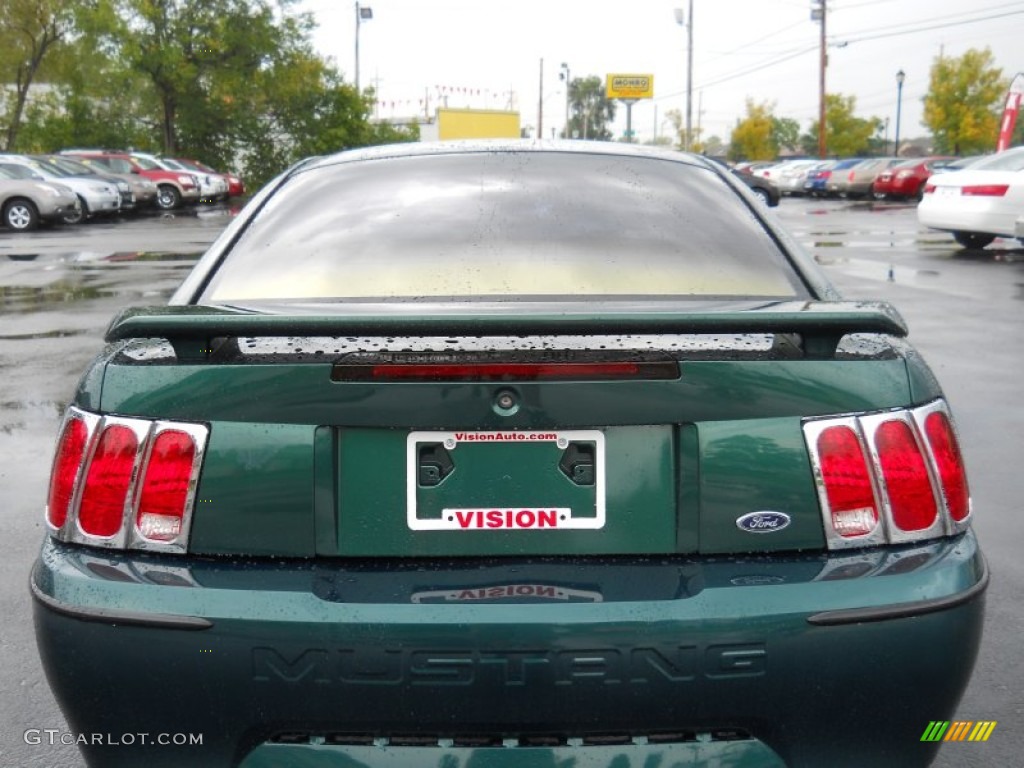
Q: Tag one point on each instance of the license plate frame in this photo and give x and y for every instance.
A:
(514, 517)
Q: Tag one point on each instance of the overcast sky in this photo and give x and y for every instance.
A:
(487, 53)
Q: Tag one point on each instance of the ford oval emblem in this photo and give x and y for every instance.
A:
(763, 522)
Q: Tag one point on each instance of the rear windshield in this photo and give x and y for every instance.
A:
(1010, 160)
(504, 226)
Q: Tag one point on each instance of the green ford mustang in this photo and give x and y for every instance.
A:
(508, 454)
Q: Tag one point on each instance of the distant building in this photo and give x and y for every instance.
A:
(471, 124)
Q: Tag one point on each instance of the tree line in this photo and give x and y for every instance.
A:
(962, 111)
(235, 83)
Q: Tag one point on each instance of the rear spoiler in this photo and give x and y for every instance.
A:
(191, 330)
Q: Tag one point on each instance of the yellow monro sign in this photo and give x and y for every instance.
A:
(629, 86)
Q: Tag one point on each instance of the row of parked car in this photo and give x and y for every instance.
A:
(976, 199)
(878, 177)
(78, 184)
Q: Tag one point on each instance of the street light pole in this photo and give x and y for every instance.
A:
(900, 77)
(362, 13)
(688, 23)
(689, 77)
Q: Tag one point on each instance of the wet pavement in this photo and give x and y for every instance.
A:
(60, 287)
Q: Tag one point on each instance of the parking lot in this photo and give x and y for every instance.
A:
(60, 286)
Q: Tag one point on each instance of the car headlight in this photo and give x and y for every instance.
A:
(123, 186)
(99, 189)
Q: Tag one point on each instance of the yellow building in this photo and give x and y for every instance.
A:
(471, 124)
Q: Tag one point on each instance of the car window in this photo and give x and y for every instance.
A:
(48, 168)
(147, 165)
(70, 166)
(17, 170)
(1010, 160)
(504, 226)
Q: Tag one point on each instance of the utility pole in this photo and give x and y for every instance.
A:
(819, 14)
(540, 104)
(564, 74)
(689, 75)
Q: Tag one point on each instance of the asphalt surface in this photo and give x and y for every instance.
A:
(60, 287)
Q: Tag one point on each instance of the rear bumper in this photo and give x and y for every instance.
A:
(357, 663)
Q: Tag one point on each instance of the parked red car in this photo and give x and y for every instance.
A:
(906, 180)
(174, 188)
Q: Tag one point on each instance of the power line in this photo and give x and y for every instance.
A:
(915, 29)
(792, 55)
(743, 72)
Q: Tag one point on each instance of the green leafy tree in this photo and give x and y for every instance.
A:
(695, 143)
(94, 100)
(785, 133)
(590, 110)
(846, 134)
(304, 108)
(29, 31)
(714, 147)
(194, 52)
(964, 101)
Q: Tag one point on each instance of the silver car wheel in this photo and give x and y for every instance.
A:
(21, 216)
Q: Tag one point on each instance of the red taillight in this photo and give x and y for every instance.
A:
(985, 190)
(844, 472)
(596, 371)
(70, 450)
(889, 477)
(929, 189)
(108, 482)
(124, 482)
(165, 486)
(905, 473)
(850, 175)
(949, 463)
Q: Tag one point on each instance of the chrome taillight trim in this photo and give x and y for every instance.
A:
(834, 540)
(76, 534)
(90, 420)
(865, 426)
(871, 423)
(921, 415)
(136, 540)
(145, 431)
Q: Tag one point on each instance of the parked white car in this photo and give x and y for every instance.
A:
(979, 203)
(790, 176)
(212, 187)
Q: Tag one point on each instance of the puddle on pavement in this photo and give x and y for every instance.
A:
(19, 416)
(84, 276)
(59, 334)
(75, 257)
